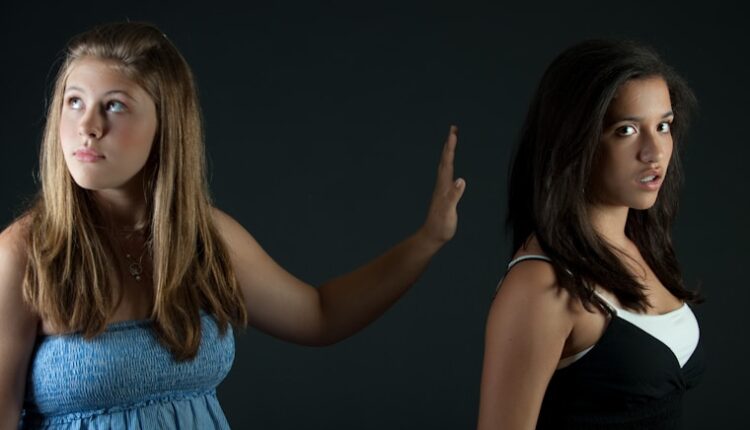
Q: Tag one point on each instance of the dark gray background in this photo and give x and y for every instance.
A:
(324, 125)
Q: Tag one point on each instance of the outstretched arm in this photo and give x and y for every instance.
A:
(288, 308)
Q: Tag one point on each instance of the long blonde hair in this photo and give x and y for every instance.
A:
(67, 281)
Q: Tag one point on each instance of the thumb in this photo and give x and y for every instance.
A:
(457, 190)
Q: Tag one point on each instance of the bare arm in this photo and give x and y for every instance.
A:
(527, 327)
(285, 307)
(18, 327)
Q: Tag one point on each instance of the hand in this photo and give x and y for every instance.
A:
(442, 217)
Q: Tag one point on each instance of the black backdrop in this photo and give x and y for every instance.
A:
(324, 124)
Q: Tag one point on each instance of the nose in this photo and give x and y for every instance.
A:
(91, 124)
(652, 147)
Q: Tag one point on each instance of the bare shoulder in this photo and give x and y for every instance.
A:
(220, 218)
(219, 215)
(239, 241)
(533, 283)
(531, 277)
(13, 247)
(530, 290)
(228, 227)
(13, 261)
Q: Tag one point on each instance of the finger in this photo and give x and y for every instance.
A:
(449, 148)
(457, 190)
(445, 168)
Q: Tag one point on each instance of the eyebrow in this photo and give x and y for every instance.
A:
(123, 92)
(639, 118)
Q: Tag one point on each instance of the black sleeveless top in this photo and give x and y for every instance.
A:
(628, 380)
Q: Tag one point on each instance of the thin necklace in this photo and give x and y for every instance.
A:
(135, 268)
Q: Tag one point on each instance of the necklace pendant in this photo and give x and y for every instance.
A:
(135, 270)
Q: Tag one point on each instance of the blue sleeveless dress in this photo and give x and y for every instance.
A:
(125, 379)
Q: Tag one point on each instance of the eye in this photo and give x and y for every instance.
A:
(75, 103)
(626, 130)
(116, 106)
(664, 127)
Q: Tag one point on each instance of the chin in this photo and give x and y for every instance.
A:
(90, 186)
(643, 205)
(88, 182)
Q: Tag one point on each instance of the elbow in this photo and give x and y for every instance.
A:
(317, 341)
(325, 337)
(326, 333)
(323, 342)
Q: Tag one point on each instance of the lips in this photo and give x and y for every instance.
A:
(650, 175)
(87, 155)
(650, 180)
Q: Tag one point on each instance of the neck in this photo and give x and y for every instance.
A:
(609, 222)
(124, 208)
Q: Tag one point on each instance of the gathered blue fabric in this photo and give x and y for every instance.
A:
(125, 379)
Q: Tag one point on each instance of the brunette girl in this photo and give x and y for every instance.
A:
(591, 328)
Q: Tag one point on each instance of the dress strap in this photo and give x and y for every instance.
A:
(516, 261)
(528, 257)
(603, 301)
(606, 303)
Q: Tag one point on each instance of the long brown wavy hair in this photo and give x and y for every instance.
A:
(553, 165)
(67, 280)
